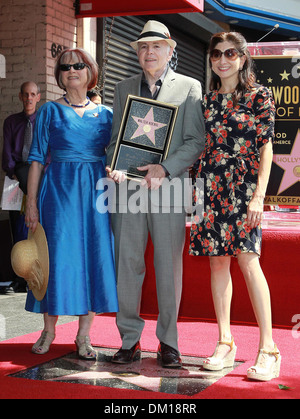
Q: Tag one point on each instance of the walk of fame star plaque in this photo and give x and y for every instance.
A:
(144, 136)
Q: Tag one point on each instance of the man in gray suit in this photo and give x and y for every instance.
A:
(167, 228)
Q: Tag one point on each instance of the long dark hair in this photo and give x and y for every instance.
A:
(247, 76)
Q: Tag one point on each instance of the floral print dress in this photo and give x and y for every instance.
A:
(229, 166)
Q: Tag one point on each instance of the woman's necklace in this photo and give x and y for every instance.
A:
(77, 106)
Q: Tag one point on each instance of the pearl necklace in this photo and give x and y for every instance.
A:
(77, 106)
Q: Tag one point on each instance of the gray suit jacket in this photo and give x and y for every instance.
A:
(188, 137)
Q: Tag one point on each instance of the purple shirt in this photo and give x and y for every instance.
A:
(13, 140)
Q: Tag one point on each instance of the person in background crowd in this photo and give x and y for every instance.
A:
(236, 164)
(82, 274)
(157, 81)
(17, 138)
(95, 96)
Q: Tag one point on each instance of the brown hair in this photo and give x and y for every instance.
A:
(79, 55)
(247, 76)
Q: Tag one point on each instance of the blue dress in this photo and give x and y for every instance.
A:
(82, 275)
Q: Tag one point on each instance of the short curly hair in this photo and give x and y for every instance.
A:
(77, 55)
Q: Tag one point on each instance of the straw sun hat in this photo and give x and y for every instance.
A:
(154, 31)
(30, 260)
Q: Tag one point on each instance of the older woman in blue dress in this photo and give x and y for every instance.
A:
(76, 131)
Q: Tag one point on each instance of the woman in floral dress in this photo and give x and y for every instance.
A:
(235, 165)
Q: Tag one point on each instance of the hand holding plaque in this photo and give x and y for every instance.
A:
(145, 135)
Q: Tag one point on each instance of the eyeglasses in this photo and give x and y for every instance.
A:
(77, 66)
(231, 54)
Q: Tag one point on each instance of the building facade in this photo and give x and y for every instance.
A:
(32, 34)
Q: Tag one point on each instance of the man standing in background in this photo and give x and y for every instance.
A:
(17, 137)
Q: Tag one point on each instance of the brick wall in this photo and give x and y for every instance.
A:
(31, 34)
(61, 31)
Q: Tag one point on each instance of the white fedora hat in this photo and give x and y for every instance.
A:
(154, 31)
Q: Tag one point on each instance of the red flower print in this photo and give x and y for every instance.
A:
(218, 158)
(235, 132)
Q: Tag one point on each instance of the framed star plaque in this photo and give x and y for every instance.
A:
(144, 136)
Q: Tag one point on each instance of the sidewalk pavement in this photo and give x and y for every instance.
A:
(15, 321)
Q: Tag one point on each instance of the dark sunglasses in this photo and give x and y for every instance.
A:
(231, 54)
(77, 66)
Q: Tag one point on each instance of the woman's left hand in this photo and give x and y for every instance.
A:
(255, 211)
(32, 215)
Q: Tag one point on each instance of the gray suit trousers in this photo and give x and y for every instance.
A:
(168, 236)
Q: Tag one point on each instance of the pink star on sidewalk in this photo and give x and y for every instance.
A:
(290, 163)
(147, 126)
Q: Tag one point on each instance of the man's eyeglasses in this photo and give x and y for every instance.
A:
(77, 66)
(231, 54)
